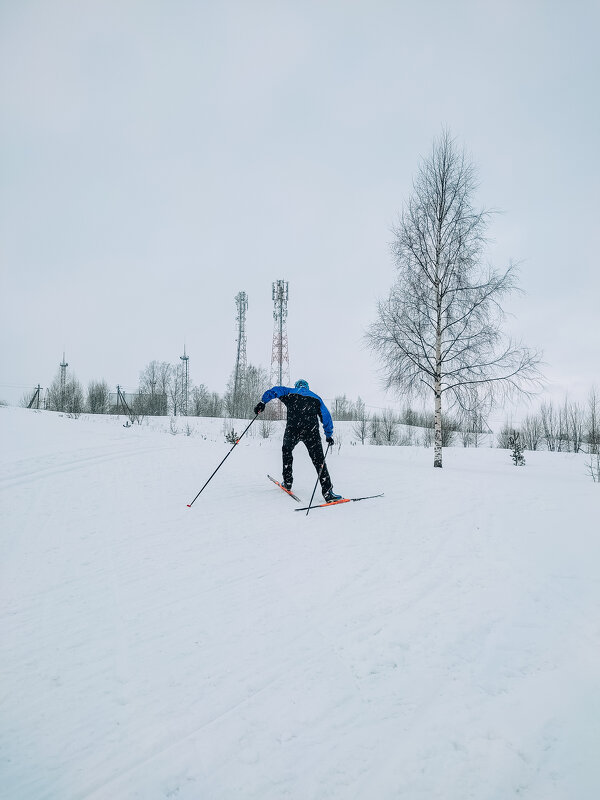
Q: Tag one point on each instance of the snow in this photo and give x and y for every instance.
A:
(440, 642)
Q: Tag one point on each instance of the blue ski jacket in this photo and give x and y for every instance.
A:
(320, 409)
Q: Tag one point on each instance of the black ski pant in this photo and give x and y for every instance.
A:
(312, 440)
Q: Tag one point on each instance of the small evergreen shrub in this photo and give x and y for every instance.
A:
(515, 444)
(231, 436)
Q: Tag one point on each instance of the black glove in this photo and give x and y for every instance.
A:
(330, 441)
(259, 407)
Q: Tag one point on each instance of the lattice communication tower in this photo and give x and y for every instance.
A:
(280, 361)
(185, 382)
(63, 383)
(241, 361)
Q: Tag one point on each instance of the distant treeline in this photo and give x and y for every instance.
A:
(568, 427)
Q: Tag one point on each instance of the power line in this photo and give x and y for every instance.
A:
(14, 386)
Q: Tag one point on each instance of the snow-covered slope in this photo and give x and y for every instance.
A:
(440, 642)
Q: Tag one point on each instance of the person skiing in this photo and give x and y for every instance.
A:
(304, 410)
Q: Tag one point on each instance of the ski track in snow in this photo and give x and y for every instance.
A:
(25, 473)
(439, 642)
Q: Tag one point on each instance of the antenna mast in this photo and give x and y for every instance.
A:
(185, 382)
(241, 361)
(63, 383)
(280, 362)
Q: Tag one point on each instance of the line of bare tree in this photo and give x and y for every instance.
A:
(411, 427)
(160, 393)
(568, 427)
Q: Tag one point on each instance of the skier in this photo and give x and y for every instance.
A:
(304, 410)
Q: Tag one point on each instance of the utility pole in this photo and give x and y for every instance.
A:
(36, 398)
(122, 402)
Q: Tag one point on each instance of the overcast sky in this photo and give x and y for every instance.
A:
(160, 157)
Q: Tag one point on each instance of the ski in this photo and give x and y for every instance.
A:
(287, 491)
(339, 502)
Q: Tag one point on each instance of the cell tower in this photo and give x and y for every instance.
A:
(63, 383)
(239, 375)
(280, 361)
(185, 382)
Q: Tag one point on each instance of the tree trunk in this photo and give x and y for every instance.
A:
(437, 453)
(437, 387)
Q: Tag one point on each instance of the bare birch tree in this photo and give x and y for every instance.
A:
(361, 427)
(98, 397)
(67, 398)
(532, 432)
(388, 428)
(550, 426)
(154, 387)
(439, 332)
(575, 426)
(593, 422)
(239, 403)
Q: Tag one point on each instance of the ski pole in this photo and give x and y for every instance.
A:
(189, 505)
(318, 479)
